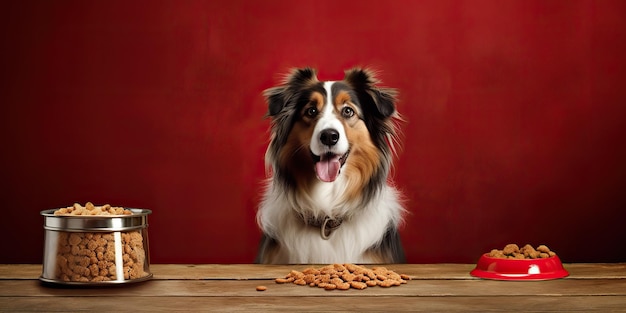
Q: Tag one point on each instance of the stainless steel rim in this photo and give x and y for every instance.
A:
(95, 223)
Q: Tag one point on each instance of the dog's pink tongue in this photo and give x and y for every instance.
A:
(327, 169)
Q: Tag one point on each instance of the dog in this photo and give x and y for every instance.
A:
(328, 198)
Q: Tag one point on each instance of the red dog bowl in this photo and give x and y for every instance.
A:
(519, 269)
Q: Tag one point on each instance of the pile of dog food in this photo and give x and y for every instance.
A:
(344, 277)
(513, 251)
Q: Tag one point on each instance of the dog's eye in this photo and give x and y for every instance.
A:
(347, 112)
(311, 112)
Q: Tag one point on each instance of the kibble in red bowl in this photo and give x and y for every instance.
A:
(513, 263)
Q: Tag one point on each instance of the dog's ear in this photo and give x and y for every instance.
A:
(275, 98)
(364, 82)
(278, 97)
(301, 78)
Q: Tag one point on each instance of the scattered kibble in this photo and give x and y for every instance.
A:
(344, 277)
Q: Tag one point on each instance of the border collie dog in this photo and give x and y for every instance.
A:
(328, 198)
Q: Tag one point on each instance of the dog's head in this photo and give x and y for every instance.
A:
(324, 130)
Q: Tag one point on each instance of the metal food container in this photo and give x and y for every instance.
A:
(96, 249)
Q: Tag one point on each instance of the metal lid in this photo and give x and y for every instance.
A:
(95, 223)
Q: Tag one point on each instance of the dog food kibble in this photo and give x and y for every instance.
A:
(261, 288)
(513, 251)
(344, 277)
(90, 209)
(92, 256)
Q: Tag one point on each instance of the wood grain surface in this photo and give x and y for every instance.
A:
(211, 287)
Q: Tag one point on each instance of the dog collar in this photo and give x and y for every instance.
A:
(326, 225)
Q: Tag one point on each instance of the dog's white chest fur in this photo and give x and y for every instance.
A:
(300, 243)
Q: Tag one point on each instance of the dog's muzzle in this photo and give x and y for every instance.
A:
(328, 165)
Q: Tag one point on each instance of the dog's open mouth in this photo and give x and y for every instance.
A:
(328, 166)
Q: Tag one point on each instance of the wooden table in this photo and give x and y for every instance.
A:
(433, 288)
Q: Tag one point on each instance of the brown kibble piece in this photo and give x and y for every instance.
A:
(358, 285)
(261, 288)
(330, 286)
(510, 249)
(495, 253)
(543, 248)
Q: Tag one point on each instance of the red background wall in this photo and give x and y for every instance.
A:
(516, 116)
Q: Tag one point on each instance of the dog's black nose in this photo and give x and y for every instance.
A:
(329, 137)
